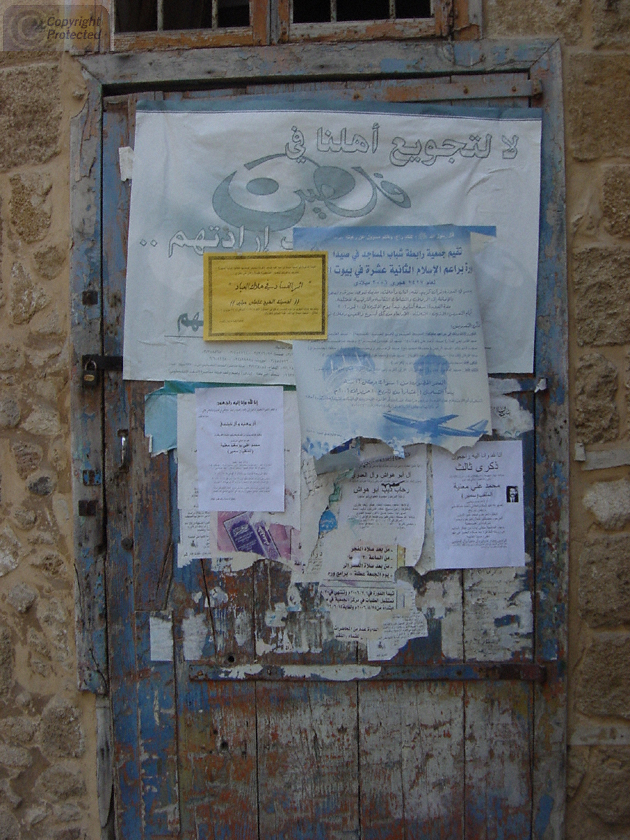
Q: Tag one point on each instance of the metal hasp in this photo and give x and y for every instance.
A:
(462, 734)
(92, 365)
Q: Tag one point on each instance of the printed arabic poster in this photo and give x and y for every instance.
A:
(265, 296)
(240, 181)
(240, 449)
(385, 502)
(405, 359)
(241, 536)
(478, 506)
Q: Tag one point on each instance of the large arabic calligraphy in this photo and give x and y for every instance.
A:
(241, 181)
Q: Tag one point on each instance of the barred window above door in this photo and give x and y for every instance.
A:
(156, 23)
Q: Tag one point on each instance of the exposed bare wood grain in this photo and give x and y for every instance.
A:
(498, 734)
(217, 749)
(411, 760)
(307, 761)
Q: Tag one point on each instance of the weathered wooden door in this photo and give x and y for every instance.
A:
(459, 736)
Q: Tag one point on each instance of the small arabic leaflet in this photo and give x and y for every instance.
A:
(478, 504)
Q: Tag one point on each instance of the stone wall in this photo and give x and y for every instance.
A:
(595, 35)
(47, 728)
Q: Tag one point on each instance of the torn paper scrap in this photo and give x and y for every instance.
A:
(359, 590)
(509, 418)
(161, 638)
(315, 493)
(196, 531)
(478, 506)
(405, 359)
(160, 421)
(187, 490)
(406, 622)
(125, 162)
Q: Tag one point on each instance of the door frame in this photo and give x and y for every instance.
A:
(459, 63)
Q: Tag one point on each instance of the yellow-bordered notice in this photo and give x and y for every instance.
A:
(253, 297)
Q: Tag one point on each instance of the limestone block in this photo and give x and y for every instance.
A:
(605, 580)
(611, 23)
(598, 123)
(601, 279)
(42, 485)
(50, 259)
(30, 116)
(14, 758)
(27, 297)
(27, 457)
(609, 501)
(607, 793)
(7, 657)
(596, 414)
(24, 518)
(31, 210)
(51, 564)
(52, 359)
(22, 597)
(70, 833)
(67, 812)
(37, 643)
(7, 792)
(9, 551)
(48, 324)
(61, 734)
(35, 815)
(603, 687)
(18, 730)
(616, 200)
(507, 18)
(10, 357)
(9, 827)
(9, 412)
(577, 765)
(43, 420)
(62, 781)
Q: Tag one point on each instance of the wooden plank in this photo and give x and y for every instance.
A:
(411, 750)
(157, 725)
(153, 548)
(229, 599)
(307, 761)
(369, 30)
(552, 464)
(474, 88)
(120, 595)
(217, 748)
(383, 672)
(87, 431)
(121, 626)
(499, 603)
(145, 745)
(313, 61)
(498, 735)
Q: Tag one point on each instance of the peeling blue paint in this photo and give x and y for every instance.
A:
(543, 816)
